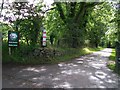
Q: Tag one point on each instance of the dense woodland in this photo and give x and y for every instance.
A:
(68, 24)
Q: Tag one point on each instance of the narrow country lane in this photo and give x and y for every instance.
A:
(88, 71)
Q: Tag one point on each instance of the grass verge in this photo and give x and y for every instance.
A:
(73, 53)
(112, 56)
(111, 62)
(67, 54)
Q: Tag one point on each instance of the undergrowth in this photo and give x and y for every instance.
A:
(19, 55)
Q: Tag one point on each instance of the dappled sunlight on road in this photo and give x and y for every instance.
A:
(71, 72)
(100, 74)
(106, 52)
(63, 85)
(97, 65)
(34, 69)
(88, 71)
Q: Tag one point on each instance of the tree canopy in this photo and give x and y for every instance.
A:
(70, 24)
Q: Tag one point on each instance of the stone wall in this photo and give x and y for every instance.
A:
(45, 52)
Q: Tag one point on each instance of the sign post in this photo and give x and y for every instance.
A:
(13, 40)
(44, 43)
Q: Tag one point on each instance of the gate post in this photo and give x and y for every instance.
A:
(118, 57)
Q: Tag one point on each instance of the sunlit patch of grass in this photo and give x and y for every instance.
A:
(87, 50)
(111, 66)
(91, 50)
(112, 56)
(75, 53)
(111, 62)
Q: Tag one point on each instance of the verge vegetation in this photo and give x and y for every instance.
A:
(111, 63)
(27, 57)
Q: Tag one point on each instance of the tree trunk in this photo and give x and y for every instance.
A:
(27, 41)
(96, 45)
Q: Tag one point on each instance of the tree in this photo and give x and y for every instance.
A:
(55, 27)
(27, 19)
(113, 26)
(75, 16)
(98, 27)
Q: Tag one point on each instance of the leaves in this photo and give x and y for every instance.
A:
(71, 23)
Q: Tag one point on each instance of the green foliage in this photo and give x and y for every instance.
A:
(54, 26)
(72, 25)
(15, 57)
(111, 66)
(74, 15)
(21, 55)
(72, 53)
(111, 63)
(112, 56)
(27, 20)
(4, 29)
(98, 25)
(116, 21)
(5, 53)
(30, 29)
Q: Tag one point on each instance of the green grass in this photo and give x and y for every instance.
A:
(111, 64)
(16, 56)
(19, 58)
(73, 53)
(112, 56)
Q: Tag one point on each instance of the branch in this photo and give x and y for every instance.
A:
(60, 10)
(81, 10)
(93, 4)
(48, 10)
(83, 7)
(2, 5)
(73, 6)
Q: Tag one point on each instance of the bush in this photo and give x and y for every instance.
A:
(18, 54)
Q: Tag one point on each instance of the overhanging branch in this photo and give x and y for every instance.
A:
(48, 10)
(81, 11)
(2, 5)
(93, 4)
(72, 11)
(60, 10)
